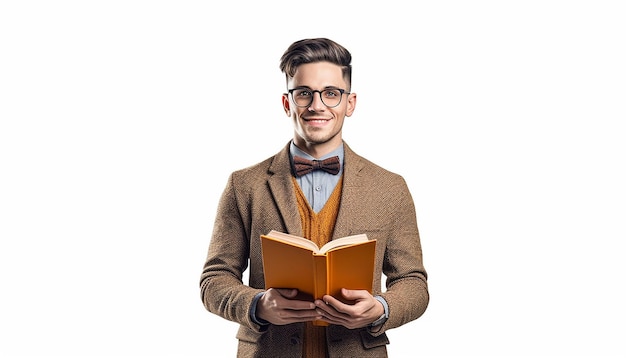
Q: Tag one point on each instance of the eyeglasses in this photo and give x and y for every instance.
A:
(303, 97)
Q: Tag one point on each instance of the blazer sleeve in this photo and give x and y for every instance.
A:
(406, 286)
(221, 286)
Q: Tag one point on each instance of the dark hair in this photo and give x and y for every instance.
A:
(316, 50)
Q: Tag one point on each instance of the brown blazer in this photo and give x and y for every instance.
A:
(261, 198)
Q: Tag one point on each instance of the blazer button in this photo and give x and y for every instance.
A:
(295, 339)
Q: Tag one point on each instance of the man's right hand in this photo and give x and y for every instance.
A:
(278, 307)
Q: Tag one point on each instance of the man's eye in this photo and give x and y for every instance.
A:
(303, 93)
(331, 93)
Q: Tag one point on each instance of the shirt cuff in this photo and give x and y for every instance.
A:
(385, 306)
(253, 317)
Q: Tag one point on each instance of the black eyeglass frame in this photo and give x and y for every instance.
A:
(341, 91)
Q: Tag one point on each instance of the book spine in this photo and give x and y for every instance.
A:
(320, 262)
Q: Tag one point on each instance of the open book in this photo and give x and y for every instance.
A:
(291, 261)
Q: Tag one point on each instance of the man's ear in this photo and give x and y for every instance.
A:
(286, 104)
(351, 104)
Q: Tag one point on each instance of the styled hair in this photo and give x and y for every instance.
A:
(316, 50)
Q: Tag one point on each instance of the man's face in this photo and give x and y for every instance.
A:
(316, 126)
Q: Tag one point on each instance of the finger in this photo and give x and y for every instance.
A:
(335, 304)
(334, 317)
(324, 307)
(282, 298)
(301, 315)
(329, 312)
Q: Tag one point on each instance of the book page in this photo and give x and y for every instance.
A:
(295, 240)
(344, 241)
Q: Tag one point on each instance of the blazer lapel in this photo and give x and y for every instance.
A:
(352, 182)
(281, 187)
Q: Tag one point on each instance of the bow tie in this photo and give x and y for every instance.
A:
(304, 166)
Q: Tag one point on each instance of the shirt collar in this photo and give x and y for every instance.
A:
(293, 150)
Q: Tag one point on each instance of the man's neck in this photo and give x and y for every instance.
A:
(317, 150)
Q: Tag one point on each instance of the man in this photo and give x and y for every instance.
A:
(356, 197)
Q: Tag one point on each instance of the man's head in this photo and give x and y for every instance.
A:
(318, 97)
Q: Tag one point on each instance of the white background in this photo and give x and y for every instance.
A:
(121, 120)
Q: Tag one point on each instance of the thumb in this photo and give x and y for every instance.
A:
(353, 294)
(288, 292)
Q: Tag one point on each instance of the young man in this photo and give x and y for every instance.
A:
(355, 196)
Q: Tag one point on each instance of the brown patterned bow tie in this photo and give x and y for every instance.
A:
(304, 166)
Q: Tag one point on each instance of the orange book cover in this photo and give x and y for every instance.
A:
(291, 261)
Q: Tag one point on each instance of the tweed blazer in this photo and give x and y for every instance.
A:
(261, 198)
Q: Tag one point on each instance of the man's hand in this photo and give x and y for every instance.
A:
(277, 306)
(364, 311)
